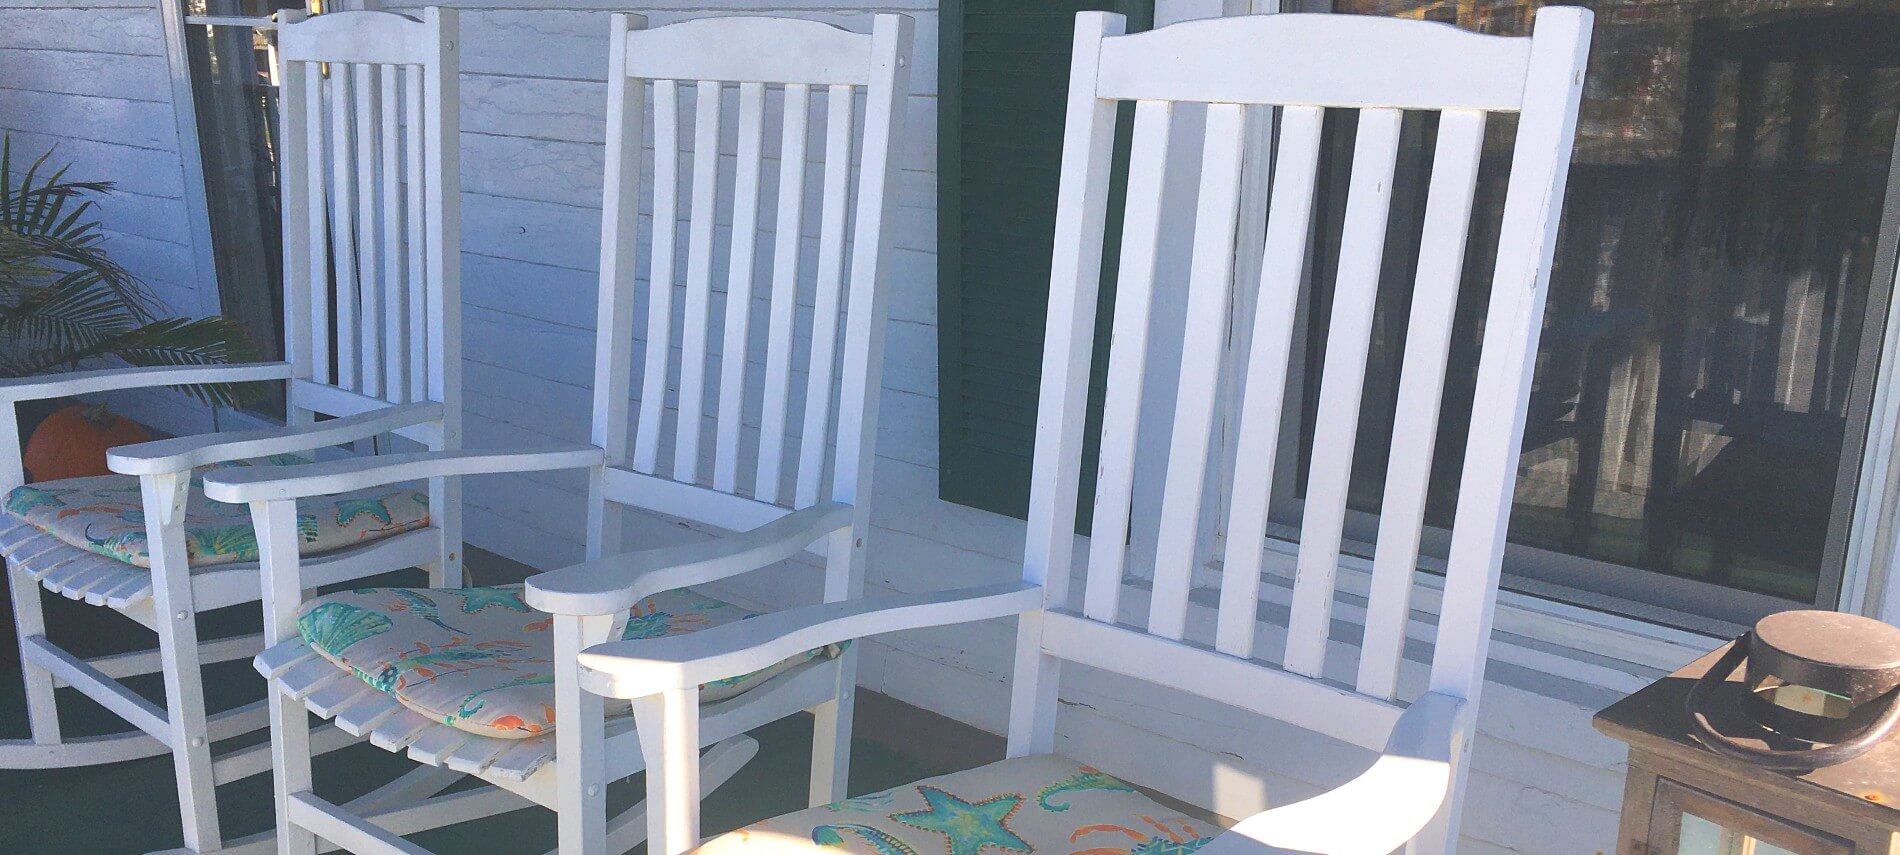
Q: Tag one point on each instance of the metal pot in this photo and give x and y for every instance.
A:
(1826, 683)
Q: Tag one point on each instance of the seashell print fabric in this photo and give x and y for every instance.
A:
(481, 659)
(105, 514)
(1039, 803)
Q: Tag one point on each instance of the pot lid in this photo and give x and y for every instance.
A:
(1832, 639)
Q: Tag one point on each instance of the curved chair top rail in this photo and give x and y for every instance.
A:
(1324, 60)
(751, 50)
(384, 38)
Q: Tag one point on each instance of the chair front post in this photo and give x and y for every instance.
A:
(668, 724)
(831, 720)
(175, 618)
(580, 738)
(281, 571)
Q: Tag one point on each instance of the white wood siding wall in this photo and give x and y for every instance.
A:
(533, 103)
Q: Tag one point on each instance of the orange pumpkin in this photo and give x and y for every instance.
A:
(72, 442)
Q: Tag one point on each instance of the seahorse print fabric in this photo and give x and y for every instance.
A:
(106, 515)
(481, 659)
(1040, 803)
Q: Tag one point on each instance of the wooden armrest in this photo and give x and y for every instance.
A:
(109, 379)
(270, 483)
(181, 454)
(613, 584)
(639, 667)
(1375, 813)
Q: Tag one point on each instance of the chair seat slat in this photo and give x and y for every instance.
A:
(396, 732)
(435, 744)
(337, 694)
(475, 755)
(278, 658)
(366, 712)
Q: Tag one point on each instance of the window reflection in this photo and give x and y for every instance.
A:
(1710, 304)
(236, 100)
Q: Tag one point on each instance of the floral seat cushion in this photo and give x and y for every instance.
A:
(1036, 804)
(105, 514)
(480, 659)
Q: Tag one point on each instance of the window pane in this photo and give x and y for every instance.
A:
(1704, 837)
(236, 101)
(1713, 295)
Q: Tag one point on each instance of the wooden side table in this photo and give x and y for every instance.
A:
(1682, 799)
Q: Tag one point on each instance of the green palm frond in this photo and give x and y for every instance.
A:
(65, 303)
(50, 215)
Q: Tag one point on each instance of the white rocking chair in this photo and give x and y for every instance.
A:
(1035, 801)
(372, 327)
(470, 715)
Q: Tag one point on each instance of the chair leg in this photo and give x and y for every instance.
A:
(668, 724)
(1440, 836)
(445, 510)
(176, 620)
(29, 619)
(290, 755)
(580, 741)
(831, 736)
(277, 543)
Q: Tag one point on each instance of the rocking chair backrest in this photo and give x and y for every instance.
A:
(732, 435)
(372, 249)
(1306, 65)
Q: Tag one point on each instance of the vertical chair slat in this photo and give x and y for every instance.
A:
(342, 230)
(419, 366)
(699, 240)
(1348, 334)
(1421, 384)
(788, 234)
(824, 333)
(1121, 411)
(316, 187)
(1209, 284)
(745, 237)
(368, 208)
(299, 240)
(1540, 163)
(666, 183)
(395, 297)
(1289, 218)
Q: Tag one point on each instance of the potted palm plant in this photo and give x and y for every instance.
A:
(66, 305)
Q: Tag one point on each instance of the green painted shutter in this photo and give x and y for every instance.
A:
(1005, 79)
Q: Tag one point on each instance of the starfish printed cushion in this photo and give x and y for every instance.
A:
(105, 514)
(1020, 806)
(481, 659)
